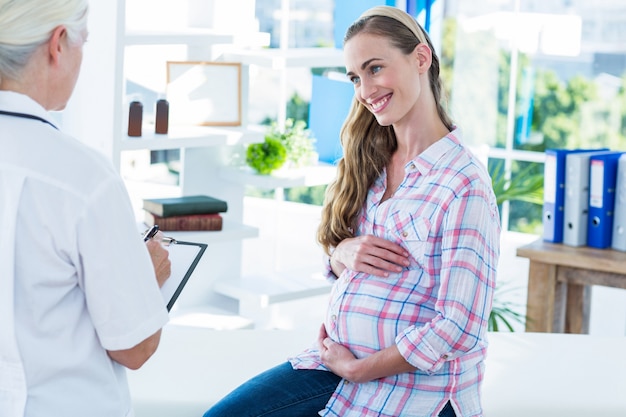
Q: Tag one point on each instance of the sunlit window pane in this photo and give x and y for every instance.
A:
(536, 74)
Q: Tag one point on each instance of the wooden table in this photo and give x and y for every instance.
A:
(559, 284)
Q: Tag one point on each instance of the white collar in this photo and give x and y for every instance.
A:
(21, 103)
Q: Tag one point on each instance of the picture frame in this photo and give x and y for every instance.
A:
(204, 93)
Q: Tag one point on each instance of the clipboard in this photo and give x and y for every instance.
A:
(184, 257)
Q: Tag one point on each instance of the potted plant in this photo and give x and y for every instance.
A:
(294, 139)
(526, 185)
(267, 156)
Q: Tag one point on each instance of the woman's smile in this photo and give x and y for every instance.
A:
(379, 104)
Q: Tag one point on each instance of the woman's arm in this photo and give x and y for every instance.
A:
(469, 258)
(136, 356)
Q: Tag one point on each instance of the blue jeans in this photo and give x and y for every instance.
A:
(284, 392)
(447, 411)
(279, 392)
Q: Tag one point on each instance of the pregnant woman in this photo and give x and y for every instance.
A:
(411, 229)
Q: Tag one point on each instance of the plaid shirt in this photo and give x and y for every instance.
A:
(435, 311)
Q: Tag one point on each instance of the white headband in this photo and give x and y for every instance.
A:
(400, 16)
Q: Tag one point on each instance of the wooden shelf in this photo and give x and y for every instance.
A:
(294, 57)
(275, 288)
(320, 174)
(191, 137)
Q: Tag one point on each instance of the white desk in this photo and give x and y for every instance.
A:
(549, 375)
(528, 374)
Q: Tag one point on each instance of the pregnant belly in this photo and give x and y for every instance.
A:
(367, 314)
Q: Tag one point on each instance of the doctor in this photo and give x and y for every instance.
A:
(79, 292)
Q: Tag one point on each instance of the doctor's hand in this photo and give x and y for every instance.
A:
(160, 258)
(370, 254)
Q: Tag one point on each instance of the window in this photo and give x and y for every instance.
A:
(526, 76)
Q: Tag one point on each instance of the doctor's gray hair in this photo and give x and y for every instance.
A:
(27, 24)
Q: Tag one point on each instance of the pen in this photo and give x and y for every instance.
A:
(168, 241)
(150, 233)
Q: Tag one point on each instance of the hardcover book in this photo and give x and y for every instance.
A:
(188, 222)
(180, 206)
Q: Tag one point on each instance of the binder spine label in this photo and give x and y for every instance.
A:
(596, 183)
(549, 187)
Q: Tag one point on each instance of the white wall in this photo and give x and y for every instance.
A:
(89, 114)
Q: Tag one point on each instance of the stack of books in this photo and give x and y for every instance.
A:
(187, 213)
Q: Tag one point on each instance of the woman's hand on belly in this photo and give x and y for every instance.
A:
(342, 362)
(369, 254)
(336, 357)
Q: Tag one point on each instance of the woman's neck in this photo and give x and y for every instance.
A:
(413, 139)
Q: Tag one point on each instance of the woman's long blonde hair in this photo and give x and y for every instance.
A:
(367, 145)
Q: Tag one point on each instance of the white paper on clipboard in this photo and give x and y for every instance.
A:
(184, 257)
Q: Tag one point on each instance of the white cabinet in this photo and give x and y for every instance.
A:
(203, 150)
(280, 60)
(283, 58)
(320, 174)
(259, 293)
(98, 111)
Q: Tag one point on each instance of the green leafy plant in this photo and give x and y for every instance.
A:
(525, 185)
(504, 313)
(298, 142)
(267, 156)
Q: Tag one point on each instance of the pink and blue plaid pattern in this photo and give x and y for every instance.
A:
(435, 311)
